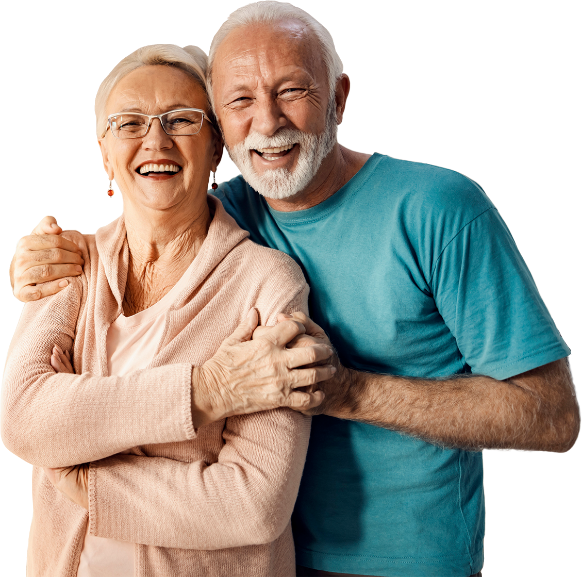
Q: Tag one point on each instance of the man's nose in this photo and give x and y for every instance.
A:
(268, 117)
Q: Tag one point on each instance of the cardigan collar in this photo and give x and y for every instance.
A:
(223, 235)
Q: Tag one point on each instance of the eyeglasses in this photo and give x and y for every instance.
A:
(181, 122)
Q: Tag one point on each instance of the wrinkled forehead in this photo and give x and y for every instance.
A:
(267, 50)
(154, 90)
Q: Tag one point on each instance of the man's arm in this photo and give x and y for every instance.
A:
(536, 410)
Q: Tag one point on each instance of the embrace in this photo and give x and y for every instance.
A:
(183, 412)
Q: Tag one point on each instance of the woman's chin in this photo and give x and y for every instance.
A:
(162, 198)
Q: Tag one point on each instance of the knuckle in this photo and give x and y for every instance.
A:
(30, 295)
(43, 271)
(55, 255)
(22, 243)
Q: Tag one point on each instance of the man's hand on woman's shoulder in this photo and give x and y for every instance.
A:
(334, 388)
(256, 373)
(42, 260)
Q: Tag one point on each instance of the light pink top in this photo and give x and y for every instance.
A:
(132, 343)
(213, 501)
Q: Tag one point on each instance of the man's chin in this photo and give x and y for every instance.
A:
(278, 185)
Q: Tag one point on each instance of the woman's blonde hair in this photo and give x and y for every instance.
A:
(190, 59)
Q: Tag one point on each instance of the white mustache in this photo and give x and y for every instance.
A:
(284, 137)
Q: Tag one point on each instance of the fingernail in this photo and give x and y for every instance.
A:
(78, 268)
(63, 283)
(287, 316)
(333, 370)
(59, 349)
(54, 225)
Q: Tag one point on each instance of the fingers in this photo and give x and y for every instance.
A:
(48, 225)
(43, 242)
(244, 331)
(30, 293)
(261, 332)
(303, 341)
(311, 327)
(60, 361)
(312, 376)
(284, 332)
(302, 356)
(41, 259)
(302, 401)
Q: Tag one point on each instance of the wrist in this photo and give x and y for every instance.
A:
(207, 403)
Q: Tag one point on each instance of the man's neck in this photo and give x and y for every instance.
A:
(338, 167)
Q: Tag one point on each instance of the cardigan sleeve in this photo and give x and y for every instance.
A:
(246, 498)
(58, 420)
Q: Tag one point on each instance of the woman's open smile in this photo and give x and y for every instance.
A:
(162, 169)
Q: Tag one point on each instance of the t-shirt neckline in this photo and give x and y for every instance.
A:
(330, 204)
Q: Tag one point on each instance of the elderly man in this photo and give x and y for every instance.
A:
(445, 345)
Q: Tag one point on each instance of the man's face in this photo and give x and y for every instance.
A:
(271, 97)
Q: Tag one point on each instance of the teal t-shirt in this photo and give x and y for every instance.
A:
(412, 272)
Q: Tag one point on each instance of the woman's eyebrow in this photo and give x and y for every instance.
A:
(139, 109)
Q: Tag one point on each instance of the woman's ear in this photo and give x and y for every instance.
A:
(106, 164)
(217, 153)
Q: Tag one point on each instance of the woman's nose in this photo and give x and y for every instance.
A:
(156, 138)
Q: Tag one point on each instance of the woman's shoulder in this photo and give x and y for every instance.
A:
(269, 264)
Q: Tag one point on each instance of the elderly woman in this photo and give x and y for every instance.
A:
(177, 484)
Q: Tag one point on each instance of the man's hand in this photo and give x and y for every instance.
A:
(337, 387)
(247, 376)
(42, 260)
(72, 482)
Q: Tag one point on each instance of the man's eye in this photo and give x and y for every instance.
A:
(292, 92)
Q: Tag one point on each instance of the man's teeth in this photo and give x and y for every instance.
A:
(275, 150)
(158, 168)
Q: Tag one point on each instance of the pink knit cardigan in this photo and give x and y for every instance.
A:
(213, 501)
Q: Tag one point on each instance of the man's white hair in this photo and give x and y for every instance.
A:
(273, 12)
(190, 59)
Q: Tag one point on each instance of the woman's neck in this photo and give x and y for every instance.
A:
(161, 247)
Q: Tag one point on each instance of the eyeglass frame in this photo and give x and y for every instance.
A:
(150, 117)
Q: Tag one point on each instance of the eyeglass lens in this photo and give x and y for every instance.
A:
(175, 123)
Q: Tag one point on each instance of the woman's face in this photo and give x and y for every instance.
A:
(155, 90)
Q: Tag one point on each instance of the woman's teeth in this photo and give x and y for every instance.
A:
(158, 168)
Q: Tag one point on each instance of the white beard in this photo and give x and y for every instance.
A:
(280, 183)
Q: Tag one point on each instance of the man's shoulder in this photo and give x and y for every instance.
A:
(242, 203)
(268, 266)
(234, 192)
(426, 185)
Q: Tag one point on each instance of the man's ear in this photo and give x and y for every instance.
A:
(342, 89)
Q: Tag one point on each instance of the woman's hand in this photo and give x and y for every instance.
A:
(72, 482)
(61, 362)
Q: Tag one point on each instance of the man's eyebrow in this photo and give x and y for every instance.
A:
(303, 80)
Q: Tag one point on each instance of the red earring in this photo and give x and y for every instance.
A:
(110, 191)
(214, 185)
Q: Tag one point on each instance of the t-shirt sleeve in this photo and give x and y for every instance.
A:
(489, 301)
